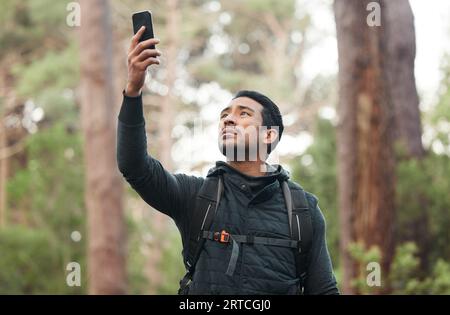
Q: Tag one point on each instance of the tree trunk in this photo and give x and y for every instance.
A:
(103, 186)
(401, 46)
(365, 152)
(401, 52)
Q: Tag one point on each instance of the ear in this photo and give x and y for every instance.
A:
(270, 136)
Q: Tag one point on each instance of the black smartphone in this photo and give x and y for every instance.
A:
(140, 19)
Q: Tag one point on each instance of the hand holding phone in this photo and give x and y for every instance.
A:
(142, 52)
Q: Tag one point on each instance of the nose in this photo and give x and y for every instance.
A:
(229, 120)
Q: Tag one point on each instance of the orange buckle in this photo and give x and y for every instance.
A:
(222, 237)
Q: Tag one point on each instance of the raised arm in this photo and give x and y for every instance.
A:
(166, 192)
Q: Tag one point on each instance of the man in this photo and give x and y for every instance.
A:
(252, 206)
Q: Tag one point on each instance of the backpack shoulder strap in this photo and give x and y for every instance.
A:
(300, 225)
(207, 202)
(203, 214)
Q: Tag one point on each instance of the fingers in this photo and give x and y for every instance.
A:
(148, 53)
(145, 58)
(144, 45)
(150, 61)
(136, 37)
(139, 56)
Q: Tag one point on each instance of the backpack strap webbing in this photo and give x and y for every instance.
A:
(206, 205)
(300, 227)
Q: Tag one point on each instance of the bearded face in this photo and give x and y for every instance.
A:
(241, 134)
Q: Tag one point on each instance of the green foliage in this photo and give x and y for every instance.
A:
(136, 260)
(31, 27)
(55, 70)
(403, 277)
(50, 81)
(172, 265)
(441, 112)
(439, 117)
(422, 200)
(363, 257)
(278, 8)
(404, 266)
(422, 196)
(43, 60)
(404, 270)
(45, 192)
(141, 237)
(32, 262)
(315, 171)
(47, 195)
(49, 190)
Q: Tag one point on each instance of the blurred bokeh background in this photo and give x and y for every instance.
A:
(367, 124)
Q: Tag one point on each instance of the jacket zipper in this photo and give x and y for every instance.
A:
(206, 215)
(298, 226)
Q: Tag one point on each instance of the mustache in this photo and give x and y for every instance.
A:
(239, 130)
(232, 130)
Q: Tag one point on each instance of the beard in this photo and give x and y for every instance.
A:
(240, 152)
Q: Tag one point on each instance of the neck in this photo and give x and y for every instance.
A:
(251, 168)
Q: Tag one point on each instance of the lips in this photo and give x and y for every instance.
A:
(228, 135)
(228, 132)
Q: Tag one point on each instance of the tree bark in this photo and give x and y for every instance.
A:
(401, 48)
(103, 186)
(401, 52)
(364, 137)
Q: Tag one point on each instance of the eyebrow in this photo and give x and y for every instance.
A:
(239, 106)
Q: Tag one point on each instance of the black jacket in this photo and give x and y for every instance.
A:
(249, 206)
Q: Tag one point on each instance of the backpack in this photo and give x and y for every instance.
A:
(207, 203)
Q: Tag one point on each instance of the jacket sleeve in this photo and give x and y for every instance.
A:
(320, 278)
(171, 194)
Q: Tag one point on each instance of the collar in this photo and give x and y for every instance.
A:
(275, 170)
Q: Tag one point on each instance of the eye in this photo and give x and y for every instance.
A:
(223, 115)
(245, 113)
